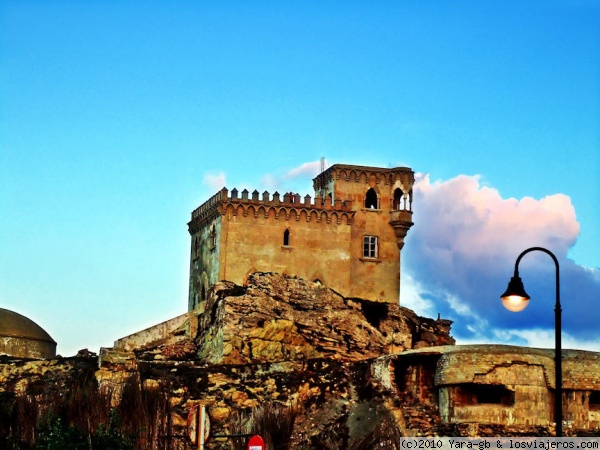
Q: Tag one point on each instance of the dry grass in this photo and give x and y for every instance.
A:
(143, 414)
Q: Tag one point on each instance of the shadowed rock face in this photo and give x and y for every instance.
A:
(281, 318)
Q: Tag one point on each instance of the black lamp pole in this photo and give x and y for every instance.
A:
(515, 288)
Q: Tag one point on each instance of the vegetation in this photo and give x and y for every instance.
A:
(82, 418)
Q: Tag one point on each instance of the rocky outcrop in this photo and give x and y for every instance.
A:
(347, 373)
(282, 318)
(280, 341)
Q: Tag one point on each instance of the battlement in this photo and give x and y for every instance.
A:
(288, 205)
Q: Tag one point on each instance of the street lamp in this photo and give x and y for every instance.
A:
(516, 299)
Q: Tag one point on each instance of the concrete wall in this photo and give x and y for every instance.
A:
(523, 405)
(506, 385)
(154, 333)
(27, 348)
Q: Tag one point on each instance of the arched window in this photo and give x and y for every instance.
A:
(286, 237)
(398, 194)
(371, 200)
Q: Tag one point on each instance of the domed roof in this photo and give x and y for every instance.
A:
(15, 325)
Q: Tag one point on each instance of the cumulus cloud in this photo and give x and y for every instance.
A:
(461, 253)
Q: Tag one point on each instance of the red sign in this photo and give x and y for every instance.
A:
(256, 443)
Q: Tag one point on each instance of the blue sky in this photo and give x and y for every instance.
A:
(117, 119)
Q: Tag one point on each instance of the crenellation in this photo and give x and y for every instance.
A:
(267, 199)
(204, 207)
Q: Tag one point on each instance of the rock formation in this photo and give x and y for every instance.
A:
(340, 372)
(277, 341)
(282, 318)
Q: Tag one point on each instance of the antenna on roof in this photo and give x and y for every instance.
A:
(321, 181)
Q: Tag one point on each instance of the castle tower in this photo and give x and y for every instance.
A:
(348, 237)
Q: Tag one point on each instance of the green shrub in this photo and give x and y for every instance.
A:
(57, 435)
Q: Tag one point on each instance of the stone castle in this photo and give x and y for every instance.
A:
(295, 301)
(349, 237)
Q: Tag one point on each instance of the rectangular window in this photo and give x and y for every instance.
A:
(213, 238)
(370, 247)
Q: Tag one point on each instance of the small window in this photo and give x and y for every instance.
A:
(286, 237)
(371, 200)
(484, 394)
(196, 247)
(370, 247)
(213, 237)
(595, 401)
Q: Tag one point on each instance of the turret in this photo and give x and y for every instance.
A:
(401, 214)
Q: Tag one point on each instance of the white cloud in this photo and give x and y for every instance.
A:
(309, 170)
(293, 178)
(412, 297)
(214, 180)
(461, 253)
(477, 221)
(541, 338)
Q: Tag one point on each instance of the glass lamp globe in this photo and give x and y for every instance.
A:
(515, 298)
(515, 303)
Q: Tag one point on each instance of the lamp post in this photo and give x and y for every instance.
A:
(516, 299)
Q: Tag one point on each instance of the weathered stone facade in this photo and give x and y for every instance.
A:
(349, 238)
(503, 385)
(345, 365)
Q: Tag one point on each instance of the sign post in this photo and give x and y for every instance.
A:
(198, 425)
(256, 443)
(201, 427)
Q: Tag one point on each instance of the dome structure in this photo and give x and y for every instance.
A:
(23, 338)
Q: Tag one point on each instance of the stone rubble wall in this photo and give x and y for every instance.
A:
(346, 365)
(282, 318)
